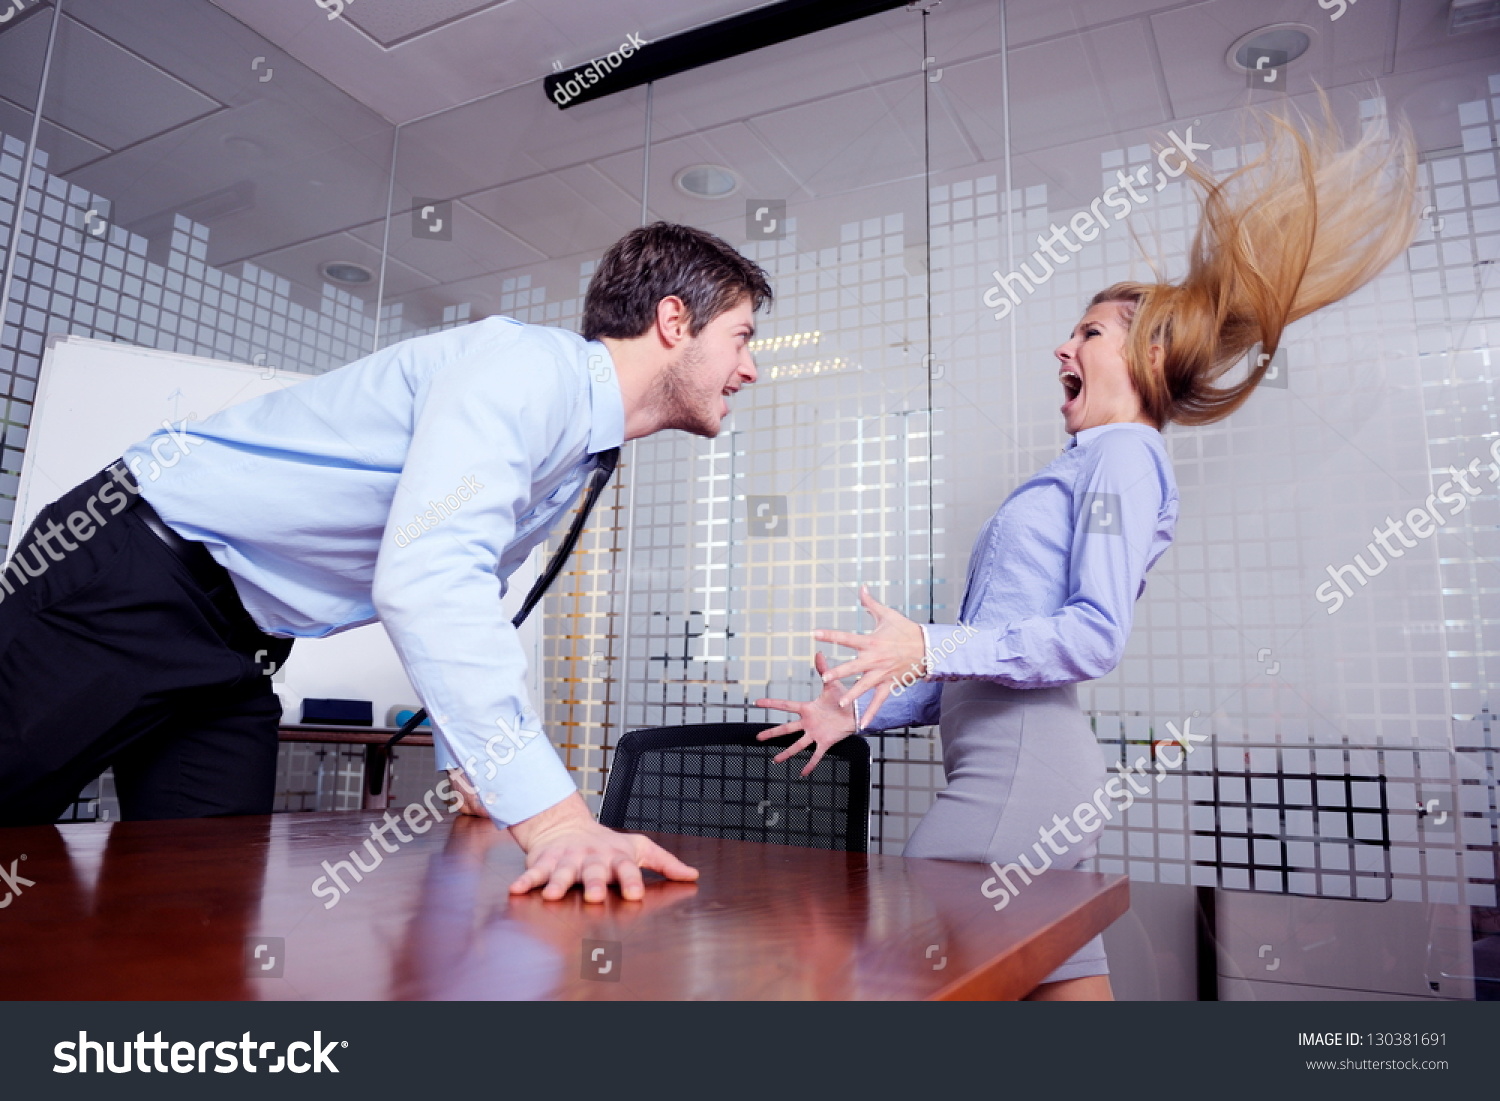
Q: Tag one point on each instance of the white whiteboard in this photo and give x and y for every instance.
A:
(95, 398)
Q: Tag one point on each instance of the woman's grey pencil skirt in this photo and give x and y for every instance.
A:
(1014, 758)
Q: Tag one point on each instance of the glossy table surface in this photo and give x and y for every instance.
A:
(241, 908)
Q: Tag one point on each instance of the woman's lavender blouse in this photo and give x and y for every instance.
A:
(1055, 573)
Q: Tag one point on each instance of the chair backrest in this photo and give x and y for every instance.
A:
(716, 780)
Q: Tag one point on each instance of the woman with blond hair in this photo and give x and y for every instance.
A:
(1055, 573)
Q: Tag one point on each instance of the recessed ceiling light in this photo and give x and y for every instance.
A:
(707, 181)
(347, 272)
(1291, 39)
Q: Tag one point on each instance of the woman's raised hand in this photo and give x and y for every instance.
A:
(895, 648)
(822, 721)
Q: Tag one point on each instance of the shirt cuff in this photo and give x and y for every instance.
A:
(516, 786)
(943, 645)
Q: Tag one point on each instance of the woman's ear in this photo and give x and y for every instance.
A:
(1157, 358)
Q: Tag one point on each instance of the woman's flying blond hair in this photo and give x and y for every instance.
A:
(1306, 223)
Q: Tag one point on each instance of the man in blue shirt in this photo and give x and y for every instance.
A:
(407, 487)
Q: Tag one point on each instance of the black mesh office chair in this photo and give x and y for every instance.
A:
(716, 780)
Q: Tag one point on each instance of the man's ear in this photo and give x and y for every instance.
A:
(672, 321)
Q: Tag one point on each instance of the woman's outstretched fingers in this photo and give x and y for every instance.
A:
(777, 731)
(842, 638)
(855, 666)
(874, 679)
(817, 756)
(781, 705)
(795, 748)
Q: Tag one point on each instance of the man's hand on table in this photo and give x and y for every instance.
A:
(564, 846)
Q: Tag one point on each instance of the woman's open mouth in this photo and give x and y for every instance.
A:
(1072, 387)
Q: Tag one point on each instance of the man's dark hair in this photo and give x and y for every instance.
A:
(660, 260)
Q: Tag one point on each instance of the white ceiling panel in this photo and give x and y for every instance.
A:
(576, 210)
(840, 143)
(1193, 42)
(1423, 41)
(61, 150)
(1029, 21)
(305, 182)
(112, 97)
(515, 136)
(479, 246)
(391, 22)
(1082, 85)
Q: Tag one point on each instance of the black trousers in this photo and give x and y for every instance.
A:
(114, 651)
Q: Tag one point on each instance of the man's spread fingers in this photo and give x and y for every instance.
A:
(658, 859)
(632, 883)
(597, 876)
(564, 875)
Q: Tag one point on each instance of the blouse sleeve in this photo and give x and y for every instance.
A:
(1116, 503)
(917, 705)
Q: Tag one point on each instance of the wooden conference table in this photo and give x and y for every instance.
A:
(225, 909)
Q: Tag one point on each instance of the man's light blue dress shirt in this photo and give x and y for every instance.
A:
(1054, 574)
(331, 504)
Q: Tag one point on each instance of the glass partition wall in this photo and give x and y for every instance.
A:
(899, 177)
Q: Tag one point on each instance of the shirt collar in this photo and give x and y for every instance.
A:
(607, 428)
(1088, 434)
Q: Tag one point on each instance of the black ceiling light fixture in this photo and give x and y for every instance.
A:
(654, 59)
